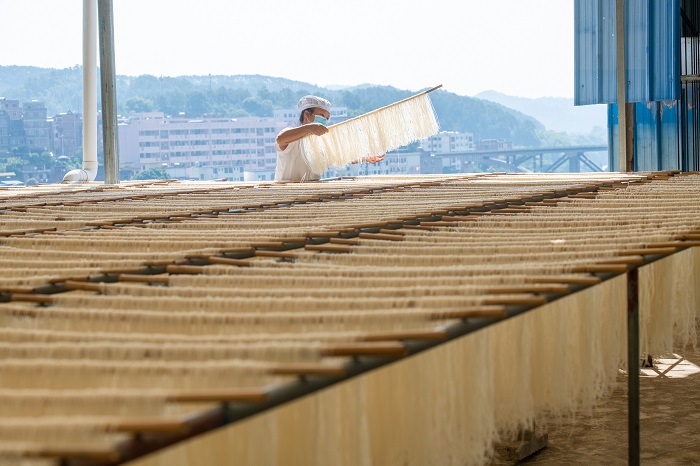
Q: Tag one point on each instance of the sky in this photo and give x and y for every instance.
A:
(522, 48)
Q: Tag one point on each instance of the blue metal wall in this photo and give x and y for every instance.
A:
(663, 71)
(691, 128)
(690, 100)
(667, 134)
(657, 136)
(652, 51)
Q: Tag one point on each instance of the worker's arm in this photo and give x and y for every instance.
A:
(293, 134)
(371, 159)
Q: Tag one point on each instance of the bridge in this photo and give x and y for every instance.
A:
(542, 160)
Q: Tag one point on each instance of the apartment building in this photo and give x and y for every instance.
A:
(11, 128)
(37, 129)
(24, 125)
(11, 108)
(67, 133)
(446, 142)
(203, 148)
(494, 144)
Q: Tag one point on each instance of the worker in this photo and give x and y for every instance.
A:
(314, 116)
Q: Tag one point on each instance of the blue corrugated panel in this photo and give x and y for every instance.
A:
(646, 133)
(656, 134)
(594, 72)
(691, 127)
(652, 51)
(670, 151)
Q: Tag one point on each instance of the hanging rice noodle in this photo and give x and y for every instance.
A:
(373, 133)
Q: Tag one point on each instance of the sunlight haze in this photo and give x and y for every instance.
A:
(516, 47)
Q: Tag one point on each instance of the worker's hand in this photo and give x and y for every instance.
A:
(374, 158)
(317, 128)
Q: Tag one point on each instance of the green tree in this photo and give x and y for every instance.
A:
(20, 151)
(138, 105)
(14, 164)
(152, 173)
(256, 107)
(43, 160)
(264, 94)
(197, 104)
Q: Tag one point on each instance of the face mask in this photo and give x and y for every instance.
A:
(320, 119)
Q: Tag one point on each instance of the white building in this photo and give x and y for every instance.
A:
(446, 142)
(394, 163)
(206, 148)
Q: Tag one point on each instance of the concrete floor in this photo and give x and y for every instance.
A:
(669, 420)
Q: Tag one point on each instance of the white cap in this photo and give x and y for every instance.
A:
(311, 101)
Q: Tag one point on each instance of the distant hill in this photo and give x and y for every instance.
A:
(555, 113)
(256, 95)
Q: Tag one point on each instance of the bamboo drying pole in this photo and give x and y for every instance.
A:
(377, 110)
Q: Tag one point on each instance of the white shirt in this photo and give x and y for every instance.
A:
(291, 165)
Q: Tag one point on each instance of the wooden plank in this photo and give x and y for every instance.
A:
(80, 285)
(458, 218)
(487, 312)
(348, 241)
(394, 349)
(302, 369)
(229, 261)
(516, 300)
(338, 248)
(323, 234)
(416, 334)
(647, 251)
(279, 254)
(80, 451)
(218, 395)
(268, 245)
(530, 288)
(590, 280)
(675, 244)
(184, 269)
(17, 289)
(153, 425)
(381, 236)
(163, 278)
(600, 268)
(628, 260)
(439, 223)
(32, 298)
